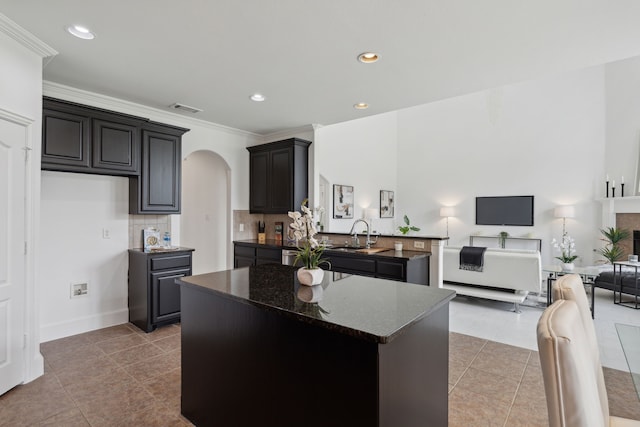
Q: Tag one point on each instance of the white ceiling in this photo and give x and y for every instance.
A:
(301, 54)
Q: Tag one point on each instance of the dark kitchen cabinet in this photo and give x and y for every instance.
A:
(78, 138)
(157, 189)
(154, 297)
(65, 139)
(116, 146)
(411, 270)
(278, 176)
(248, 254)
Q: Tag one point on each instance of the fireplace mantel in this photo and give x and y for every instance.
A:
(615, 205)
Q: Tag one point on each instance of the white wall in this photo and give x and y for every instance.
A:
(544, 138)
(205, 210)
(361, 153)
(75, 208)
(623, 124)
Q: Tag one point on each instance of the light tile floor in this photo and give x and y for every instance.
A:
(120, 376)
(500, 324)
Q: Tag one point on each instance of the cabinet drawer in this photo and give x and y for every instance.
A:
(394, 270)
(174, 261)
(245, 251)
(353, 264)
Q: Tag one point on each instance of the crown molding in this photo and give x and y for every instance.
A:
(68, 93)
(288, 133)
(25, 38)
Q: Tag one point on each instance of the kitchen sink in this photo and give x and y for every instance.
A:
(342, 249)
(360, 250)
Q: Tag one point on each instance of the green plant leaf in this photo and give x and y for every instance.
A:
(614, 235)
(406, 220)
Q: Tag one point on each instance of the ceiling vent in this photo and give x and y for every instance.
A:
(186, 108)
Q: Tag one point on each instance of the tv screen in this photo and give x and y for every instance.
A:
(504, 210)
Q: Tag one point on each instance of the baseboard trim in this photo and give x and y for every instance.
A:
(54, 331)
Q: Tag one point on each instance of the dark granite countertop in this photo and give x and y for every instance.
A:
(162, 250)
(371, 309)
(390, 253)
(398, 236)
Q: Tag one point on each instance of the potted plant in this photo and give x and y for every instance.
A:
(310, 251)
(567, 248)
(613, 236)
(405, 229)
(502, 238)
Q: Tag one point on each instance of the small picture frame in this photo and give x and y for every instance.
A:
(386, 204)
(342, 201)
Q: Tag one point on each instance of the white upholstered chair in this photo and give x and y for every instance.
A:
(572, 371)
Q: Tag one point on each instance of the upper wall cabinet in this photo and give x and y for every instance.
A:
(157, 189)
(278, 176)
(77, 138)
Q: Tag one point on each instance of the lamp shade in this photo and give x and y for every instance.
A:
(565, 211)
(447, 211)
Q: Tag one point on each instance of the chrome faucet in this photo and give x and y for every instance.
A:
(355, 233)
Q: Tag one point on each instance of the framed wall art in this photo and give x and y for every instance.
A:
(386, 204)
(342, 201)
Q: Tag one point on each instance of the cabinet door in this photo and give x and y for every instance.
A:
(258, 181)
(116, 146)
(158, 188)
(391, 270)
(240, 261)
(65, 140)
(165, 295)
(281, 184)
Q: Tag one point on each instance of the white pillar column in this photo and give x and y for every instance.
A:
(435, 263)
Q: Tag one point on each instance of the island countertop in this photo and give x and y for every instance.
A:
(374, 310)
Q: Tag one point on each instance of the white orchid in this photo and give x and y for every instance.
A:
(304, 229)
(567, 247)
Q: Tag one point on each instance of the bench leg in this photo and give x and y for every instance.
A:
(516, 308)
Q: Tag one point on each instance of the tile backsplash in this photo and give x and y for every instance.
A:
(137, 223)
(250, 222)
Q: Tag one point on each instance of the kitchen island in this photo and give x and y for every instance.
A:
(367, 352)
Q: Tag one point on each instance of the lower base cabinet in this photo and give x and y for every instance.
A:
(154, 297)
(414, 270)
(245, 255)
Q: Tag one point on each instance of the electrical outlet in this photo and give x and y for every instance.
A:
(241, 227)
(106, 233)
(79, 290)
(419, 245)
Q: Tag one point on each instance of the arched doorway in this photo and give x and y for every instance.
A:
(204, 222)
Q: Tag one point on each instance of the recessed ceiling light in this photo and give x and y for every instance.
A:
(361, 106)
(368, 57)
(257, 97)
(80, 32)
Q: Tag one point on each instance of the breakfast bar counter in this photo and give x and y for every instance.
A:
(258, 348)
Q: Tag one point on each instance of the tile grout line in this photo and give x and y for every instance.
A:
(466, 369)
(517, 389)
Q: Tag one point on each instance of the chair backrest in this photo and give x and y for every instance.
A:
(569, 369)
(570, 287)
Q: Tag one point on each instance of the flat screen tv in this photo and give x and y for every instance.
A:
(504, 210)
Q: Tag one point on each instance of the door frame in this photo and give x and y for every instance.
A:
(33, 363)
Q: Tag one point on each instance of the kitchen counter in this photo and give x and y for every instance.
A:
(370, 352)
(390, 253)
